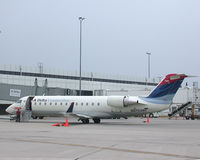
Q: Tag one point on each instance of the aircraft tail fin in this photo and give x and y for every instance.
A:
(167, 88)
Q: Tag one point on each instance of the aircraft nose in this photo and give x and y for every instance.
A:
(10, 110)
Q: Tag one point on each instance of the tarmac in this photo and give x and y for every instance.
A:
(161, 139)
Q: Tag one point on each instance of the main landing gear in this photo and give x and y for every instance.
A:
(35, 117)
(96, 120)
(86, 121)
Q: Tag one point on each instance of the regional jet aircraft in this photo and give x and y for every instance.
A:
(101, 107)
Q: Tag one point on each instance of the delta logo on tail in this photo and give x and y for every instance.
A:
(166, 90)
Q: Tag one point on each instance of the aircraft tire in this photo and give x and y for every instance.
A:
(85, 121)
(192, 118)
(34, 117)
(151, 115)
(41, 117)
(97, 120)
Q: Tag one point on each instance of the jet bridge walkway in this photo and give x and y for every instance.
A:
(184, 106)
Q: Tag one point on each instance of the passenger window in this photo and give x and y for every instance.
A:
(87, 104)
(50, 103)
(92, 103)
(55, 103)
(76, 104)
(45, 103)
(40, 103)
(61, 103)
(82, 104)
(98, 104)
(66, 104)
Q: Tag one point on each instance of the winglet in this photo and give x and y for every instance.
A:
(70, 109)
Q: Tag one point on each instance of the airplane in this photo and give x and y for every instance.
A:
(101, 107)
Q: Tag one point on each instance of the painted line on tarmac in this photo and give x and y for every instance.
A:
(110, 149)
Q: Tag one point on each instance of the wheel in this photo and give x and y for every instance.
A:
(97, 120)
(192, 118)
(85, 121)
(34, 117)
(187, 118)
(151, 115)
(41, 117)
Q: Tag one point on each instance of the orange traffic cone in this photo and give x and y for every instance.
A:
(148, 119)
(66, 123)
(57, 124)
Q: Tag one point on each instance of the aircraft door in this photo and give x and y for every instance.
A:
(28, 105)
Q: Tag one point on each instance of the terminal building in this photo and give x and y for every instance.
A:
(20, 81)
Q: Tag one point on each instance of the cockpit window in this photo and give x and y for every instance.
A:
(19, 101)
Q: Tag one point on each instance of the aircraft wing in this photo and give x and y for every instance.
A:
(81, 115)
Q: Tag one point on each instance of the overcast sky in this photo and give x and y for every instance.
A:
(116, 35)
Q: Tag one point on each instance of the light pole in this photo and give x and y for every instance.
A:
(149, 54)
(81, 20)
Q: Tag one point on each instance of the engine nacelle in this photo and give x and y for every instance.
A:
(121, 101)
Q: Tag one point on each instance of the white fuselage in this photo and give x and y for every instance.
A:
(87, 106)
